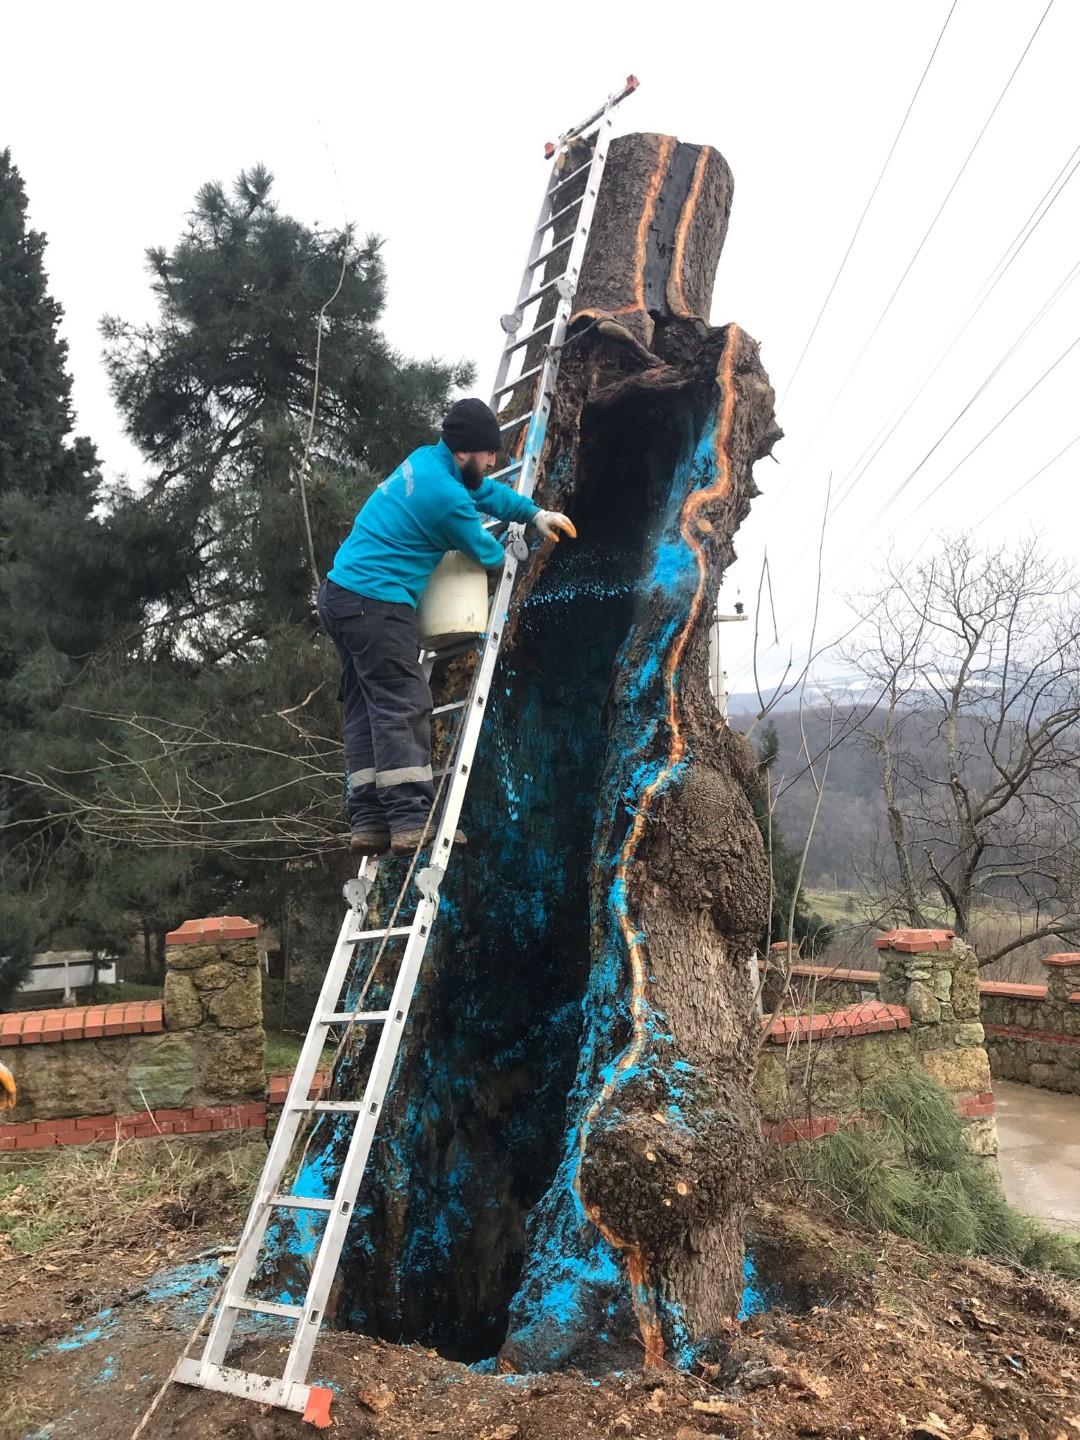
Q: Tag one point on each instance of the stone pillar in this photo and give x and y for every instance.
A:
(1063, 978)
(1057, 1066)
(936, 976)
(213, 995)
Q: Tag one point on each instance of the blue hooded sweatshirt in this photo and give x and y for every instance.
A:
(412, 519)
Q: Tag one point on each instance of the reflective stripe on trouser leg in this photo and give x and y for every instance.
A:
(405, 775)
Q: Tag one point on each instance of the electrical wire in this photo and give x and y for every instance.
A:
(1029, 481)
(870, 200)
(975, 305)
(1046, 306)
(919, 248)
(996, 425)
(860, 543)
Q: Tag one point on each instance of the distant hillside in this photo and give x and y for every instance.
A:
(851, 821)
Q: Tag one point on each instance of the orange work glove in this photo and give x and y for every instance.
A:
(7, 1088)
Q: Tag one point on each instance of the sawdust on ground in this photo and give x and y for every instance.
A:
(870, 1336)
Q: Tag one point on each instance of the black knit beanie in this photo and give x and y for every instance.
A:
(471, 425)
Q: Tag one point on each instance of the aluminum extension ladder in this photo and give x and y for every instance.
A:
(290, 1390)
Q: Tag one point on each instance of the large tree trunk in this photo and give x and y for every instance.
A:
(565, 1162)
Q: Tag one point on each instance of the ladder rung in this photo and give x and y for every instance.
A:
(531, 335)
(558, 215)
(506, 470)
(394, 933)
(589, 128)
(572, 176)
(525, 375)
(245, 1384)
(330, 1107)
(445, 709)
(301, 1202)
(459, 647)
(267, 1307)
(360, 1017)
(512, 424)
(547, 285)
(540, 259)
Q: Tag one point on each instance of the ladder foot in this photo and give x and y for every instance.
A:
(317, 1410)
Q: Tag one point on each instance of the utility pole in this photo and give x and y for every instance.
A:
(717, 673)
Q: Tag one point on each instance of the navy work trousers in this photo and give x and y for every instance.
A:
(387, 704)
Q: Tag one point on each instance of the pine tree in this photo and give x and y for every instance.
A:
(48, 484)
(196, 590)
(217, 394)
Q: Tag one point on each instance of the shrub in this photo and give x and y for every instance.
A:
(906, 1169)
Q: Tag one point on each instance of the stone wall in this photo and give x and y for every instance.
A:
(202, 1048)
(1033, 1031)
(813, 1067)
(812, 987)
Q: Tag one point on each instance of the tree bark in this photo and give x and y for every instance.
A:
(565, 1161)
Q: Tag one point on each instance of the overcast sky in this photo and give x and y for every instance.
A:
(427, 127)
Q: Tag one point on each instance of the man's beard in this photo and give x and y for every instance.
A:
(471, 473)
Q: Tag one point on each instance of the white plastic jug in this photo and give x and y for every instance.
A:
(455, 602)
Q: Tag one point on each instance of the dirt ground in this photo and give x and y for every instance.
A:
(866, 1336)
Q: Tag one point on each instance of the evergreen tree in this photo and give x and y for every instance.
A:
(217, 393)
(196, 739)
(811, 932)
(48, 484)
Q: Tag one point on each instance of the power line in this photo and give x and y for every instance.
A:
(996, 426)
(869, 202)
(1047, 305)
(945, 479)
(919, 248)
(975, 305)
(1029, 481)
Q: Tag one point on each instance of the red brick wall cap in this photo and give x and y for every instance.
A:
(1064, 960)
(830, 972)
(915, 942)
(1009, 991)
(82, 1022)
(214, 927)
(867, 1018)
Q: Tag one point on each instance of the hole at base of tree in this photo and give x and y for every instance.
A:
(436, 1251)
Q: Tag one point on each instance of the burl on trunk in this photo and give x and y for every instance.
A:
(566, 1160)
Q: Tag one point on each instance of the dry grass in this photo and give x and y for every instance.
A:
(853, 945)
(125, 1196)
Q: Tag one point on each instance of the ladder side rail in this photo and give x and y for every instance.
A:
(289, 1122)
(354, 1166)
(289, 1390)
(500, 604)
(615, 98)
(535, 243)
(537, 432)
(474, 716)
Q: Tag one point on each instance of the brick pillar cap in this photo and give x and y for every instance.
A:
(215, 927)
(916, 942)
(1063, 960)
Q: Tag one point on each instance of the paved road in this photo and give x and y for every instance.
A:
(1039, 1138)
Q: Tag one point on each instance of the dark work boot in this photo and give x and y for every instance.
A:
(405, 842)
(370, 841)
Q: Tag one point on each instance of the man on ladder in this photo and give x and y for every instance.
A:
(432, 503)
